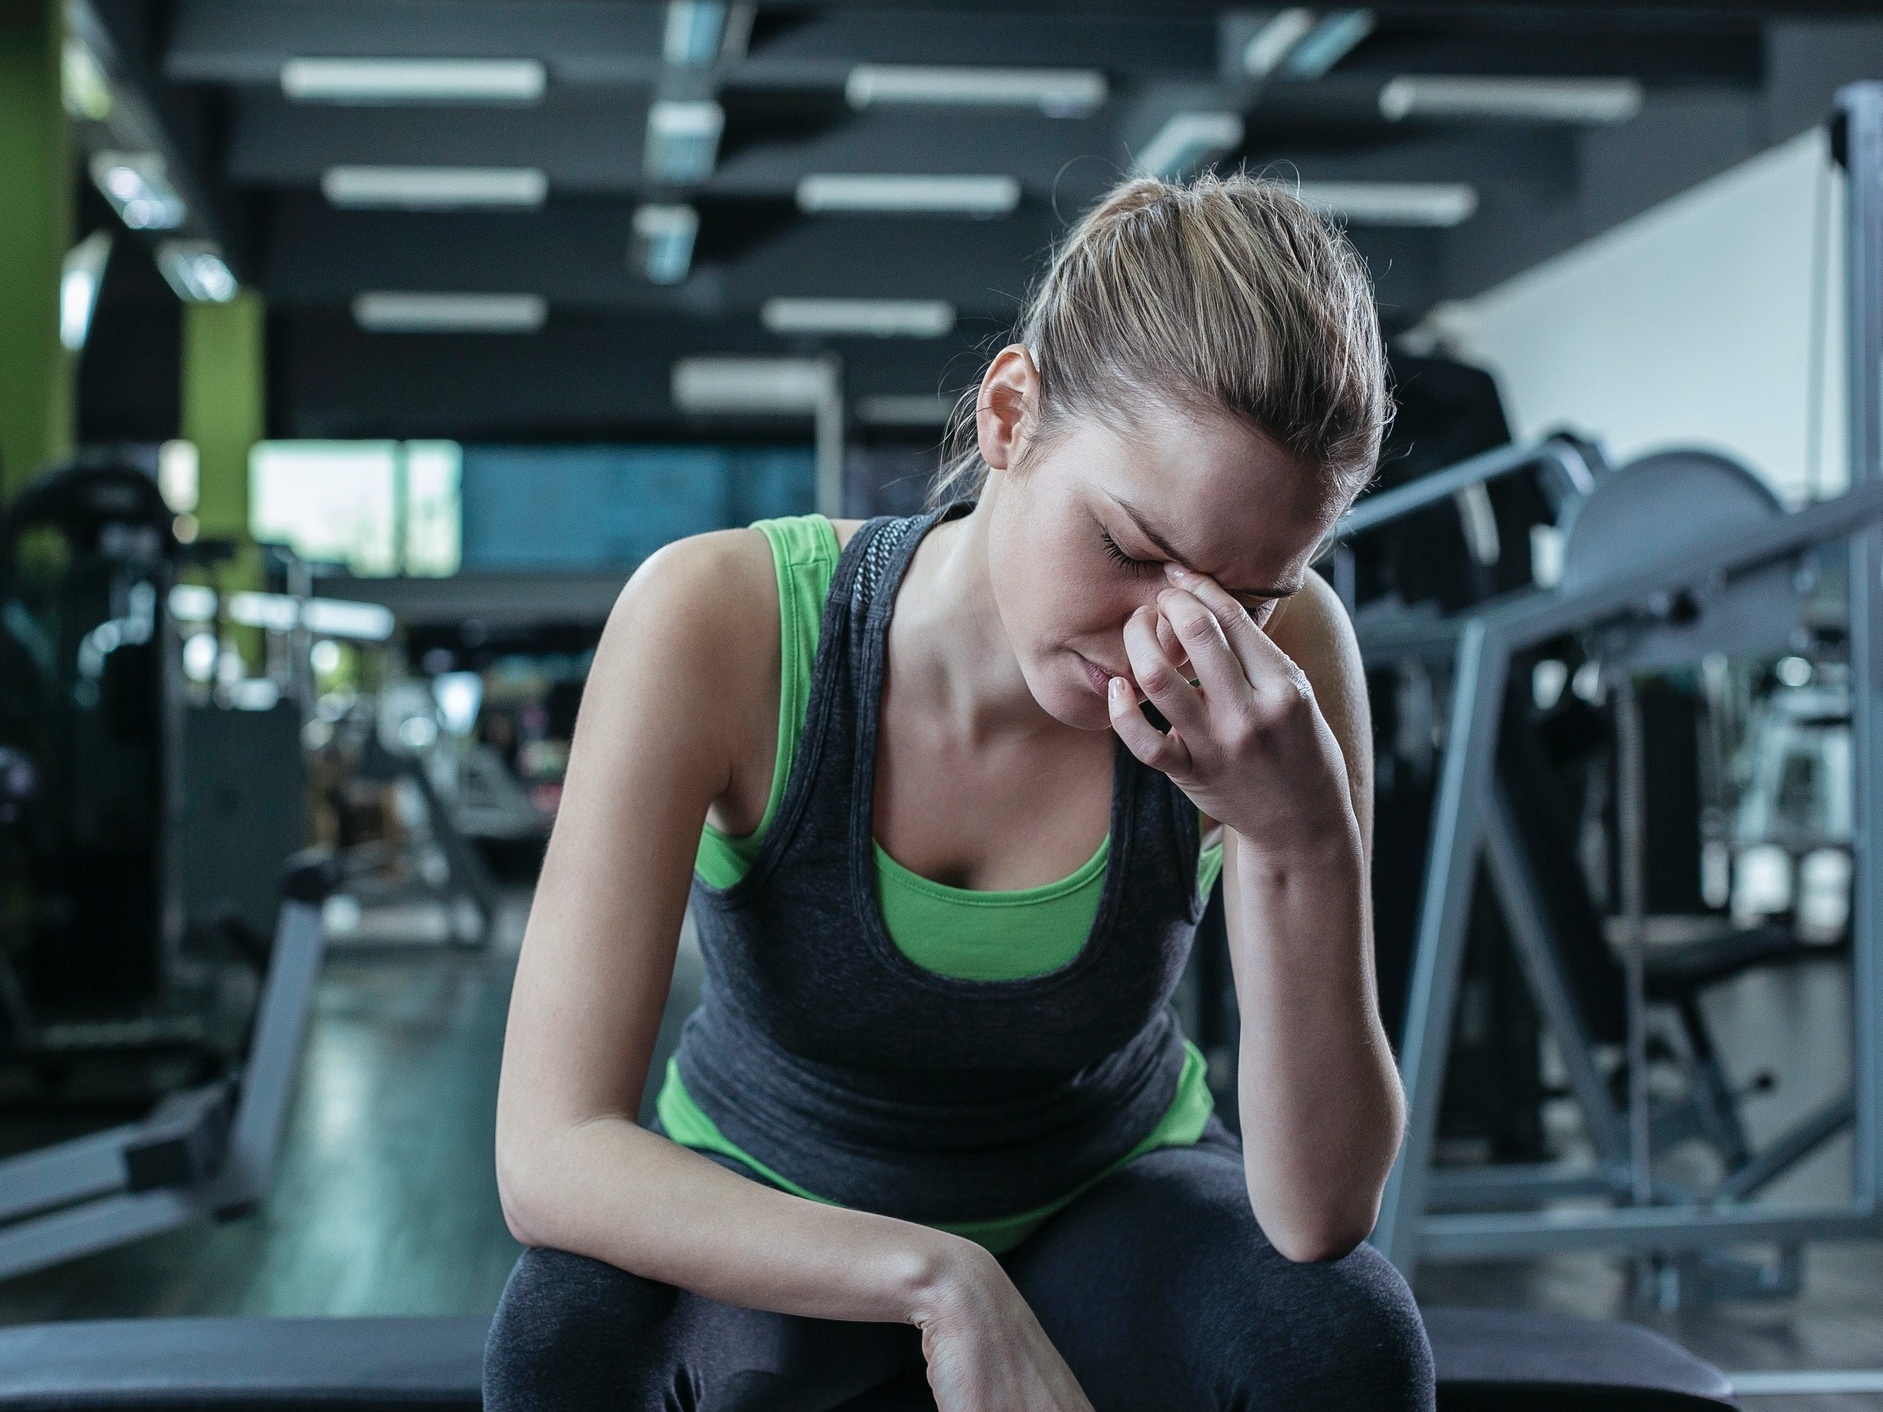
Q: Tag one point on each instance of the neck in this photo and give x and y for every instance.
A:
(950, 655)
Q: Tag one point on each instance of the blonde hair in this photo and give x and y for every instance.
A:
(1221, 294)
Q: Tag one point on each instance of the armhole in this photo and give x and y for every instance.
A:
(804, 558)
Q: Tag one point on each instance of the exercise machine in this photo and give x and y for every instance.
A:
(1665, 562)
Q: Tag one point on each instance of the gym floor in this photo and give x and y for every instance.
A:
(385, 1201)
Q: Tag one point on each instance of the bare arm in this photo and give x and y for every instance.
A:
(1273, 741)
(1321, 1106)
(667, 717)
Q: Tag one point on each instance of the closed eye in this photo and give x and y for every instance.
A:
(1124, 560)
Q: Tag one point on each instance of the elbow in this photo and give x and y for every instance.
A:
(1320, 1231)
(515, 1191)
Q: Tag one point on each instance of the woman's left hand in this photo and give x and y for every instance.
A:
(1247, 742)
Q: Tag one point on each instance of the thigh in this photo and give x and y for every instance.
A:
(1160, 1290)
(573, 1334)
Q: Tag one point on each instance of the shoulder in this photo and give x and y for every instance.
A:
(1313, 628)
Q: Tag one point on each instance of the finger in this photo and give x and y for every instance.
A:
(1213, 662)
(1144, 740)
(1263, 663)
(1161, 680)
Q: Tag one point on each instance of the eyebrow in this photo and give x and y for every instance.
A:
(1163, 545)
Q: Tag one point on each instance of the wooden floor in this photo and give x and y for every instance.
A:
(386, 1202)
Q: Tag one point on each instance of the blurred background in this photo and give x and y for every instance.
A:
(354, 352)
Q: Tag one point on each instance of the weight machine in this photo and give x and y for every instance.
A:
(1663, 562)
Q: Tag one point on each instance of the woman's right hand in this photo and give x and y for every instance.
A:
(987, 1352)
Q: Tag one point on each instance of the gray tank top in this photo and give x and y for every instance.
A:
(829, 1056)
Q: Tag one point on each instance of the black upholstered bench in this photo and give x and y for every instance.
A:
(1488, 1361)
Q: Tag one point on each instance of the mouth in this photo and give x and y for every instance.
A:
(1095, 674)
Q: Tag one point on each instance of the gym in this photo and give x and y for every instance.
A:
(355, 355)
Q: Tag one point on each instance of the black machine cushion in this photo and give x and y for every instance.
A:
(1488, 1361)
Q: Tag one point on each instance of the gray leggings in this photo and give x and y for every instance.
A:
(1157, 1287)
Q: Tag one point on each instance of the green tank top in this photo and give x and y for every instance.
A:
(956, 932)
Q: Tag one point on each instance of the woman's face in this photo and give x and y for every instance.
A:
(1080, 531)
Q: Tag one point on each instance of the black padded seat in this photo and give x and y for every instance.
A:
(1488, 1361)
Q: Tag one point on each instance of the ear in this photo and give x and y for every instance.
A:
(1005, 409)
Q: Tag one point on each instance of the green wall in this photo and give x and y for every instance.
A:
(35, 232)
(223, 405)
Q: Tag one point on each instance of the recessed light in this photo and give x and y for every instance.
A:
(1542, 100)
(434, 188)
(414, 80)
(1187, 141)
(405, 312)
(897, 194)
(1058, 93)
(871, 318)
(1393, 203)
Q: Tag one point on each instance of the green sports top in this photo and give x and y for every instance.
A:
(956, 932)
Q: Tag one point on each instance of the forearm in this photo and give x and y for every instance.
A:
(610, 1190)
(1319, 1096)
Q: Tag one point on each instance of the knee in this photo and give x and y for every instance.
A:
(1357, 1334)
(560, 1328)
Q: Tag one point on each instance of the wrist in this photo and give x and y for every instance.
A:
(948, 1277)
(1331, 844)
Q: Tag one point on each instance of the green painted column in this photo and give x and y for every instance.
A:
(223, 406)
(35, 231)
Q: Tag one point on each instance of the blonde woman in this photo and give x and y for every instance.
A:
(933, 1117)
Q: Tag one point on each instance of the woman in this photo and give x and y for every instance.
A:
(933, 1116)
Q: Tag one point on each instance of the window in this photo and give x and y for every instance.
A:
(381, 508)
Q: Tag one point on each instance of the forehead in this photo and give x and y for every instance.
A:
(1219, 488)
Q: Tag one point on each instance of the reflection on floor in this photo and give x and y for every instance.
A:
(386, 1202)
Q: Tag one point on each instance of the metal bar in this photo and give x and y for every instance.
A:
(274, 1058)
(829, 441)
(1630, 801)
(1539, 953)
(1789, 1149)
(1860, 110)
(96, 1225)
(1498, 1235)
(78, 1170)
(1520, 1184)
(1444, 912)
(1377, 510)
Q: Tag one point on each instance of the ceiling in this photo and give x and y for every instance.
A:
(1716, 83)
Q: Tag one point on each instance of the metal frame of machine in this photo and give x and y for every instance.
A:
(203, 1152)
(1470, 818)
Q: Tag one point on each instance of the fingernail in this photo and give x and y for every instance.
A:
(1177, 573)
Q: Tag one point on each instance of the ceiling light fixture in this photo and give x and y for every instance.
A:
(1270, 44)
(869, 318)
(1187, 141)
(1330, 41)
(930, 195)
(80, 277)
(1393, 203)
(1058, 93)
(905, 409)
(434, 188)
(398, 312)
(84, 88)
(137, 184)
(196, 271)
(664, 238)
(414, 80)
(753, 386)
(1538, 100)
(682, 139)
(694, 31)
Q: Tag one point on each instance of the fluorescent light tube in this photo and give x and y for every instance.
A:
(1393, 203)
(682, 139)
(1058, 93)
(1263, 54)
(193, 603)
(137, 184)
(392, 312)
(414, 80)
(913, 409)
(79, 280)
(342, 617)
(935, 195)
(664, 236)
(1332, 40)
(694, 31)
(84, 88)
(1540, 100)
(195, 270)
(1189, 140)
(873, 318)
(752, 385)
(434, 188)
